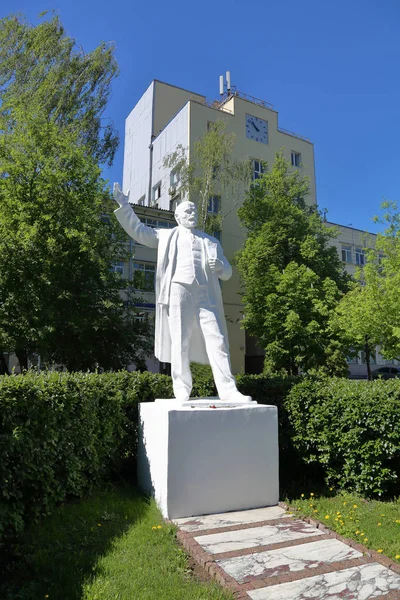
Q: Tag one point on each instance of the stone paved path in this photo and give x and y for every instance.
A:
(268, 554)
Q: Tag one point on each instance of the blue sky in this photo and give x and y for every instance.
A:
(331, 69)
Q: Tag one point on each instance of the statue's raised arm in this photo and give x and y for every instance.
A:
(130, 221)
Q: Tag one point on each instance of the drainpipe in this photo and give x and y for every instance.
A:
(150, 173)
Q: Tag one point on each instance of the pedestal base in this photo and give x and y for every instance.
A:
(205, 456)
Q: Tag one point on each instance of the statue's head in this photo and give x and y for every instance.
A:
(186, 214)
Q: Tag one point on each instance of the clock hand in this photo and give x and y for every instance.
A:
(256, 128)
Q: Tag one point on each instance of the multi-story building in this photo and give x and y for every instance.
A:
(166, 117)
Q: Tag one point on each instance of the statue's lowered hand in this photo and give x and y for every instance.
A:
(119, 195)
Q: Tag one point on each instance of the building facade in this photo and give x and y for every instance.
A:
(167, 117)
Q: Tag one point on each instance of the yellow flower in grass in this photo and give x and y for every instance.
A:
(311, 494)
(159, 526)
(397, 557)
(344, 503)
(327, 517)
(365, 539)
(380, 550)
(154, 527)
(99, 525)
(354, 505)
(362, 534)
(357, 532)
(302, 495)
(379, 524)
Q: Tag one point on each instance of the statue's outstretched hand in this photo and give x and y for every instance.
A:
(119, 195)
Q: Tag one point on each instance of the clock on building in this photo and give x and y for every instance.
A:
(256, 129)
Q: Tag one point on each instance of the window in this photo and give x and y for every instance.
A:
(296, 159)
(259, 167)
(141, 201)
(360, 257)
(346, 254)
(372, 358)
(156, 194)
(119, 267)
(174, 203)
(144, 276)
(213, 204)
(352, 358)
(175, 178)
(158, 223)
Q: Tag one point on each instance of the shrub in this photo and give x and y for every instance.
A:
(351, 429)
(61, 433)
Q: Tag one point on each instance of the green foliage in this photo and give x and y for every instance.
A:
(58, 295)
(368, 315)
(293, 279)
(62, 433)
(351, 429)
(203, 381)
(354, 319)
(210, 171)
(43, 72)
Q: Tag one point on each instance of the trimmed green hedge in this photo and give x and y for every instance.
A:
(351, 429)
(62, 433)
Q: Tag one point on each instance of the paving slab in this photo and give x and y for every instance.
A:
(231, 518)
(274, 563)
(358, 583)
(286, 531)
(267, 554)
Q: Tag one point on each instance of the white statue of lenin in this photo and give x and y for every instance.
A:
(190, 323)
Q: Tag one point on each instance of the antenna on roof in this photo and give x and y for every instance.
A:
(221, 85)
(226, 88)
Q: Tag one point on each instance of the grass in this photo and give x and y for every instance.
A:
(373, 523)
(113, 545)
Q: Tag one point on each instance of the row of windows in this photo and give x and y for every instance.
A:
(347, 255)
(375, 359)
(175, 178)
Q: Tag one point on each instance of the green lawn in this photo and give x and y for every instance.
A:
(113, 545)
(373, 523)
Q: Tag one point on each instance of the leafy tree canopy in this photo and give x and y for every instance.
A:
(293, 278)
(58, 295)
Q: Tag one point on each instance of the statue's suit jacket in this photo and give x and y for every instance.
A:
(166, 242)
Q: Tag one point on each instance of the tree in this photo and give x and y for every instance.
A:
(58, 294)
(368, 315)
(292, 278)
(210, 172)
(44, 72)
(354, 321)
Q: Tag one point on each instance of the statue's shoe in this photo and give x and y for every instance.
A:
(237, 397)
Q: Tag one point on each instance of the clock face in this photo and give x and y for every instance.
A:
(256, 129)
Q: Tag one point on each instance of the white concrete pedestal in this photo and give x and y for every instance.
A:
(195, 459)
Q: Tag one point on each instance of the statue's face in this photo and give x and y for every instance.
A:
(186, 215)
